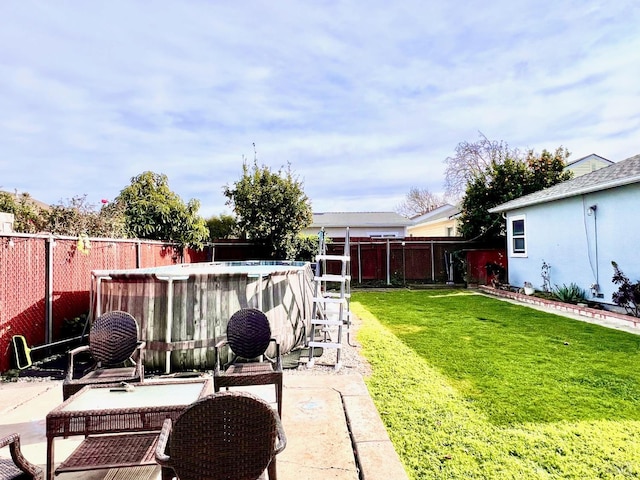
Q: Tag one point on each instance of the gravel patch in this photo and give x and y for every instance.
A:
(351, 358)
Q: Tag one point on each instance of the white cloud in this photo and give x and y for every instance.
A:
(365, 100)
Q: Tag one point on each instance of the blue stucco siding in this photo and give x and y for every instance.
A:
(580, 246)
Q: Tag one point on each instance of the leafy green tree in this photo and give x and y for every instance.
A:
(154, 211)
(28, 217)
(547, 169)
(271, 208)
(77, 217)
(221, 226)
(307, 247)
(505, 180)
(72, 217)
(110, 222)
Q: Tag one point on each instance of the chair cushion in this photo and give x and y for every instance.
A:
(248, 333)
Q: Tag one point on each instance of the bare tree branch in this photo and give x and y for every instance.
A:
(418, 202)
(472, 160)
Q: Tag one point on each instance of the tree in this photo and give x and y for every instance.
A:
(222, 226)
(504, 181)
(418, 202)
(271, 208)
(155, 212)
(474, 159)
(307, 247)
(77, 217)
(28, 217)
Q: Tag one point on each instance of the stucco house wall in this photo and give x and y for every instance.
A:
(444, 228)
(579, 243)
(578, 227)
(439, 222)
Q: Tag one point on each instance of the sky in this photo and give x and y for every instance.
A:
(364, 100)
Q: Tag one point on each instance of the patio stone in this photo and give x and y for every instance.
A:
(324, 440)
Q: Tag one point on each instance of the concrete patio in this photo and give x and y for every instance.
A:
(333, 430)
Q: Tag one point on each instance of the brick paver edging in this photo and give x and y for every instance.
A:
(563, 307)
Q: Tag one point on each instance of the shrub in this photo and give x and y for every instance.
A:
(570, 294)
(628, 294)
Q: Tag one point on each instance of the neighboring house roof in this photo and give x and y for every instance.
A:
(445, 211)
(18, 196)
(359, 219)
(618, 174)
(587, 164)
(593, 156)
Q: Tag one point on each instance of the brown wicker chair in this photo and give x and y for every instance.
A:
(248, 337)
(20, 468)
(113, 342)
(227, 435)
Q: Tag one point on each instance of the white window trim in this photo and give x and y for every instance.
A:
(510, 236)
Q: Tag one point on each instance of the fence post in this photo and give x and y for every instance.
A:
(388, 262)
(404, 266)
(359, 263)
(138, 253)
(433, 264)
(48, 285)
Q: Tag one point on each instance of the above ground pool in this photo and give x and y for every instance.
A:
(183, 309)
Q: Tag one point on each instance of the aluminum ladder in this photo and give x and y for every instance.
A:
(330, 303)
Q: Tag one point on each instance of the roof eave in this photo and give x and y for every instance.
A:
(580, 191)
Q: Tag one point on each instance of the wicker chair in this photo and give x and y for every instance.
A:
(20, 468)
(227, 435)
(113, 342)
(248, 337)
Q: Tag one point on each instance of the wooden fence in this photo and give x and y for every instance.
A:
(396, 261)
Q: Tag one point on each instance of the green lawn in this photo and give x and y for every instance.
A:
(474, 387)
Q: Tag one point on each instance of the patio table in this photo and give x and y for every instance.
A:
(120, 426)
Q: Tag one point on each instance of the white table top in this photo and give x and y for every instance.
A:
(145, 395)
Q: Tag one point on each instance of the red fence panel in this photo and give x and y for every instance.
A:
(22, 290)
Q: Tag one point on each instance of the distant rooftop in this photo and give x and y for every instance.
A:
(360, 219)
(442, 212)
(18, 196)
(588, 157)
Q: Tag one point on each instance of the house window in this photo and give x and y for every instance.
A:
(382, 235)
(518, 236)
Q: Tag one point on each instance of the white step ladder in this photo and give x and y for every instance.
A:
(330, 303)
